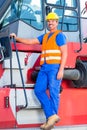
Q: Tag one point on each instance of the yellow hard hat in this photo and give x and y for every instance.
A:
(52, 15)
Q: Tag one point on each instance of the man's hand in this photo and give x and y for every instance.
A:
(60, 74)
(13, 35)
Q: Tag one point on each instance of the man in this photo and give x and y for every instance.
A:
(53, 59)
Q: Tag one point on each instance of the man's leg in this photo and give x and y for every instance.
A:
(54, 88)
(40, 92)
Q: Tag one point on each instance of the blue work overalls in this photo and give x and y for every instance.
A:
(47, 78)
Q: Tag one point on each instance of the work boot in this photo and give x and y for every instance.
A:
(51, 122)
(42, 126)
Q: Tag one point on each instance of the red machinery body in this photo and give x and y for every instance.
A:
(73, 107)
(20, 63)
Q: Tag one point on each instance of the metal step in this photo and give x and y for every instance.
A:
(75, 127)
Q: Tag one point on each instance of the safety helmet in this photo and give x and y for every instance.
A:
(52, 16)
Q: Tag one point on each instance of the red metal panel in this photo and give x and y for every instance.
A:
(7, 119)
(73, 55)
(73, 106)
(25, 47)
(72, 51)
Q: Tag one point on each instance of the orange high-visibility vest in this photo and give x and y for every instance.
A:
(51, 53)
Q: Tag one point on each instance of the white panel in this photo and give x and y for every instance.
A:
(32, 116)
(32, 100)
(6, 63)
(33, 113)
(6, 79)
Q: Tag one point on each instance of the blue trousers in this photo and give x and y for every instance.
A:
(47, 79)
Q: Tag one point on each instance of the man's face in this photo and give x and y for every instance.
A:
(52, 24)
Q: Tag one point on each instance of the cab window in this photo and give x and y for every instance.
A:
(68, 21)
(66, 3)
(28, 11)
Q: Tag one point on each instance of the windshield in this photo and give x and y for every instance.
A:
(66, 10)
(66, 3)
(28, 11)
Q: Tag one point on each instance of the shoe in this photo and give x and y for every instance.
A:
(51, 122)
(42, 126)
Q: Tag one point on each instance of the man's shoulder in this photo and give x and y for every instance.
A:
(61, 34)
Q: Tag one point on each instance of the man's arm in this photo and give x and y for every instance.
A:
(24, 40)
(63, 61)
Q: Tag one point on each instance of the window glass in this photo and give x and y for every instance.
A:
(67, 3)
(2, 2)
(31, 13)
(69, 22)
(28, 11)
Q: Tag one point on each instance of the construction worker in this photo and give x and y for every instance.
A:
(53, 59)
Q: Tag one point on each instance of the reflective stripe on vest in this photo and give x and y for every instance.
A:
(51, 53)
